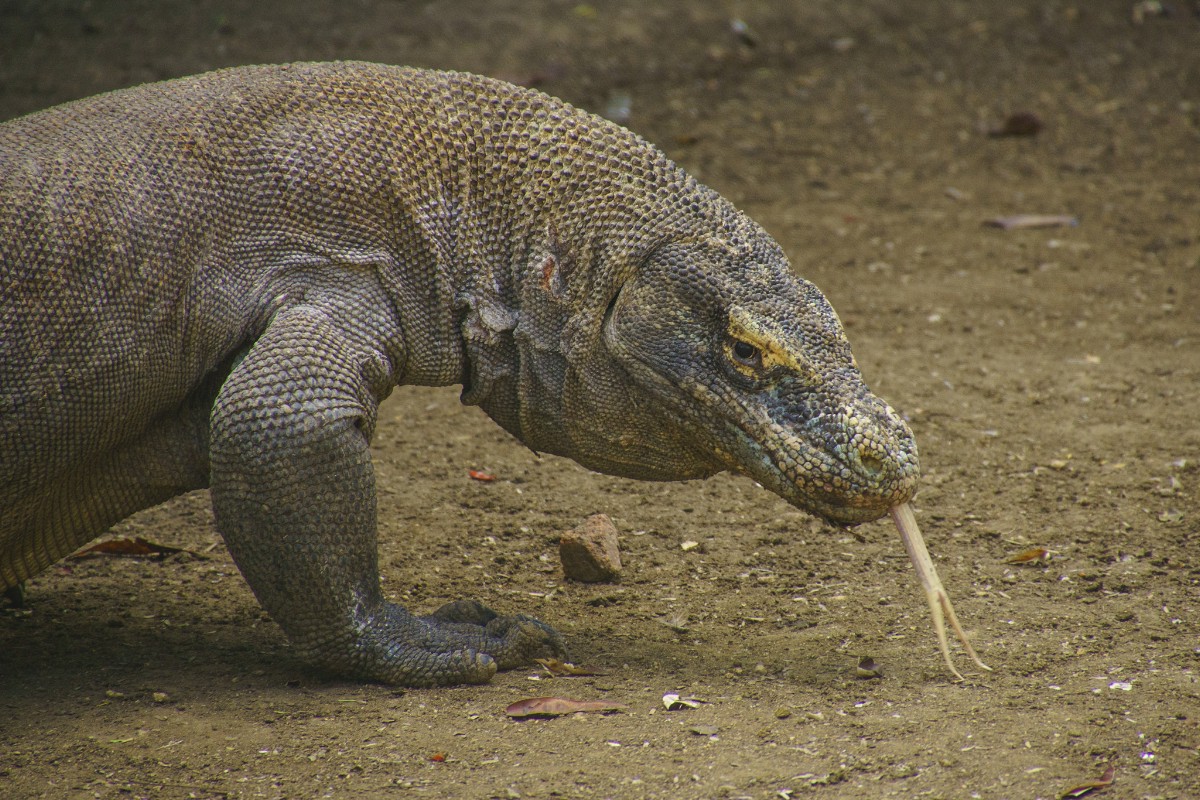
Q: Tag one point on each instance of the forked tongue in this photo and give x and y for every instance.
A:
(935, 593)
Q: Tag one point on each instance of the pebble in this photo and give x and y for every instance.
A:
(589, 553)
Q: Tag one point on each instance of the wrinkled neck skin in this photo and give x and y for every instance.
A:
(539, 365)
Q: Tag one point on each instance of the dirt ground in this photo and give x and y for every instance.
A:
(1051, 377)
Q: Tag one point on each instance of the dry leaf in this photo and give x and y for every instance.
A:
(559, 668)
(132, 548)
(1025, 556)
(1084, 789)
(557, 706)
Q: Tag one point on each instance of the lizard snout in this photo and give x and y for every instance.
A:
(883, 452)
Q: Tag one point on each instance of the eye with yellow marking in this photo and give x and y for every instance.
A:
(747, 354)
(757, 348)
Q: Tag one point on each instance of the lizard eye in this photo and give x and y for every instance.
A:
(747, 354)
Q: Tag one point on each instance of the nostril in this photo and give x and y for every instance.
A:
(871, 463)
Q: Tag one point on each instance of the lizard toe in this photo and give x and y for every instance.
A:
(521, 638)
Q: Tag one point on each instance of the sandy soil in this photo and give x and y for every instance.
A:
(1051, 377)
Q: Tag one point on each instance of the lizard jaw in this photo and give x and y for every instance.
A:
(837, 487)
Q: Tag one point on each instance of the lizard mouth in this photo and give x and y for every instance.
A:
(847, 468)
(818, 481)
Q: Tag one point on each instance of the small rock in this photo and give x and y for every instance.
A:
(589, 553)
(867, 669)
(1022, 123)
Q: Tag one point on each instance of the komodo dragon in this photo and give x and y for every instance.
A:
(214, 281)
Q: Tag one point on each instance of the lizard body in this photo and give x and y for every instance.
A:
(213, 282)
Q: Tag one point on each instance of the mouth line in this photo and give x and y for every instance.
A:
(819, 501)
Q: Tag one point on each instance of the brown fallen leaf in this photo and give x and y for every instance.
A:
(1084, 789)
(558, 706)
(480, 475)
(1025, 556)
(136, 547)
(564, 668)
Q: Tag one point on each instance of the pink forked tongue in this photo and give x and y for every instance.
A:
(935, 593)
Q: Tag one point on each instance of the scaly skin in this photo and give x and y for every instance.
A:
(214, 281)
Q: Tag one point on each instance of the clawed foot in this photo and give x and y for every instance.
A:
(511, 641)
(461, 642)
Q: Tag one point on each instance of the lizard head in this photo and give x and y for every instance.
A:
(741, 366)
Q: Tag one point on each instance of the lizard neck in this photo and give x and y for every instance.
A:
(525, 334)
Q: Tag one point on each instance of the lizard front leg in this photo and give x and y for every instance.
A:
(293, 492)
